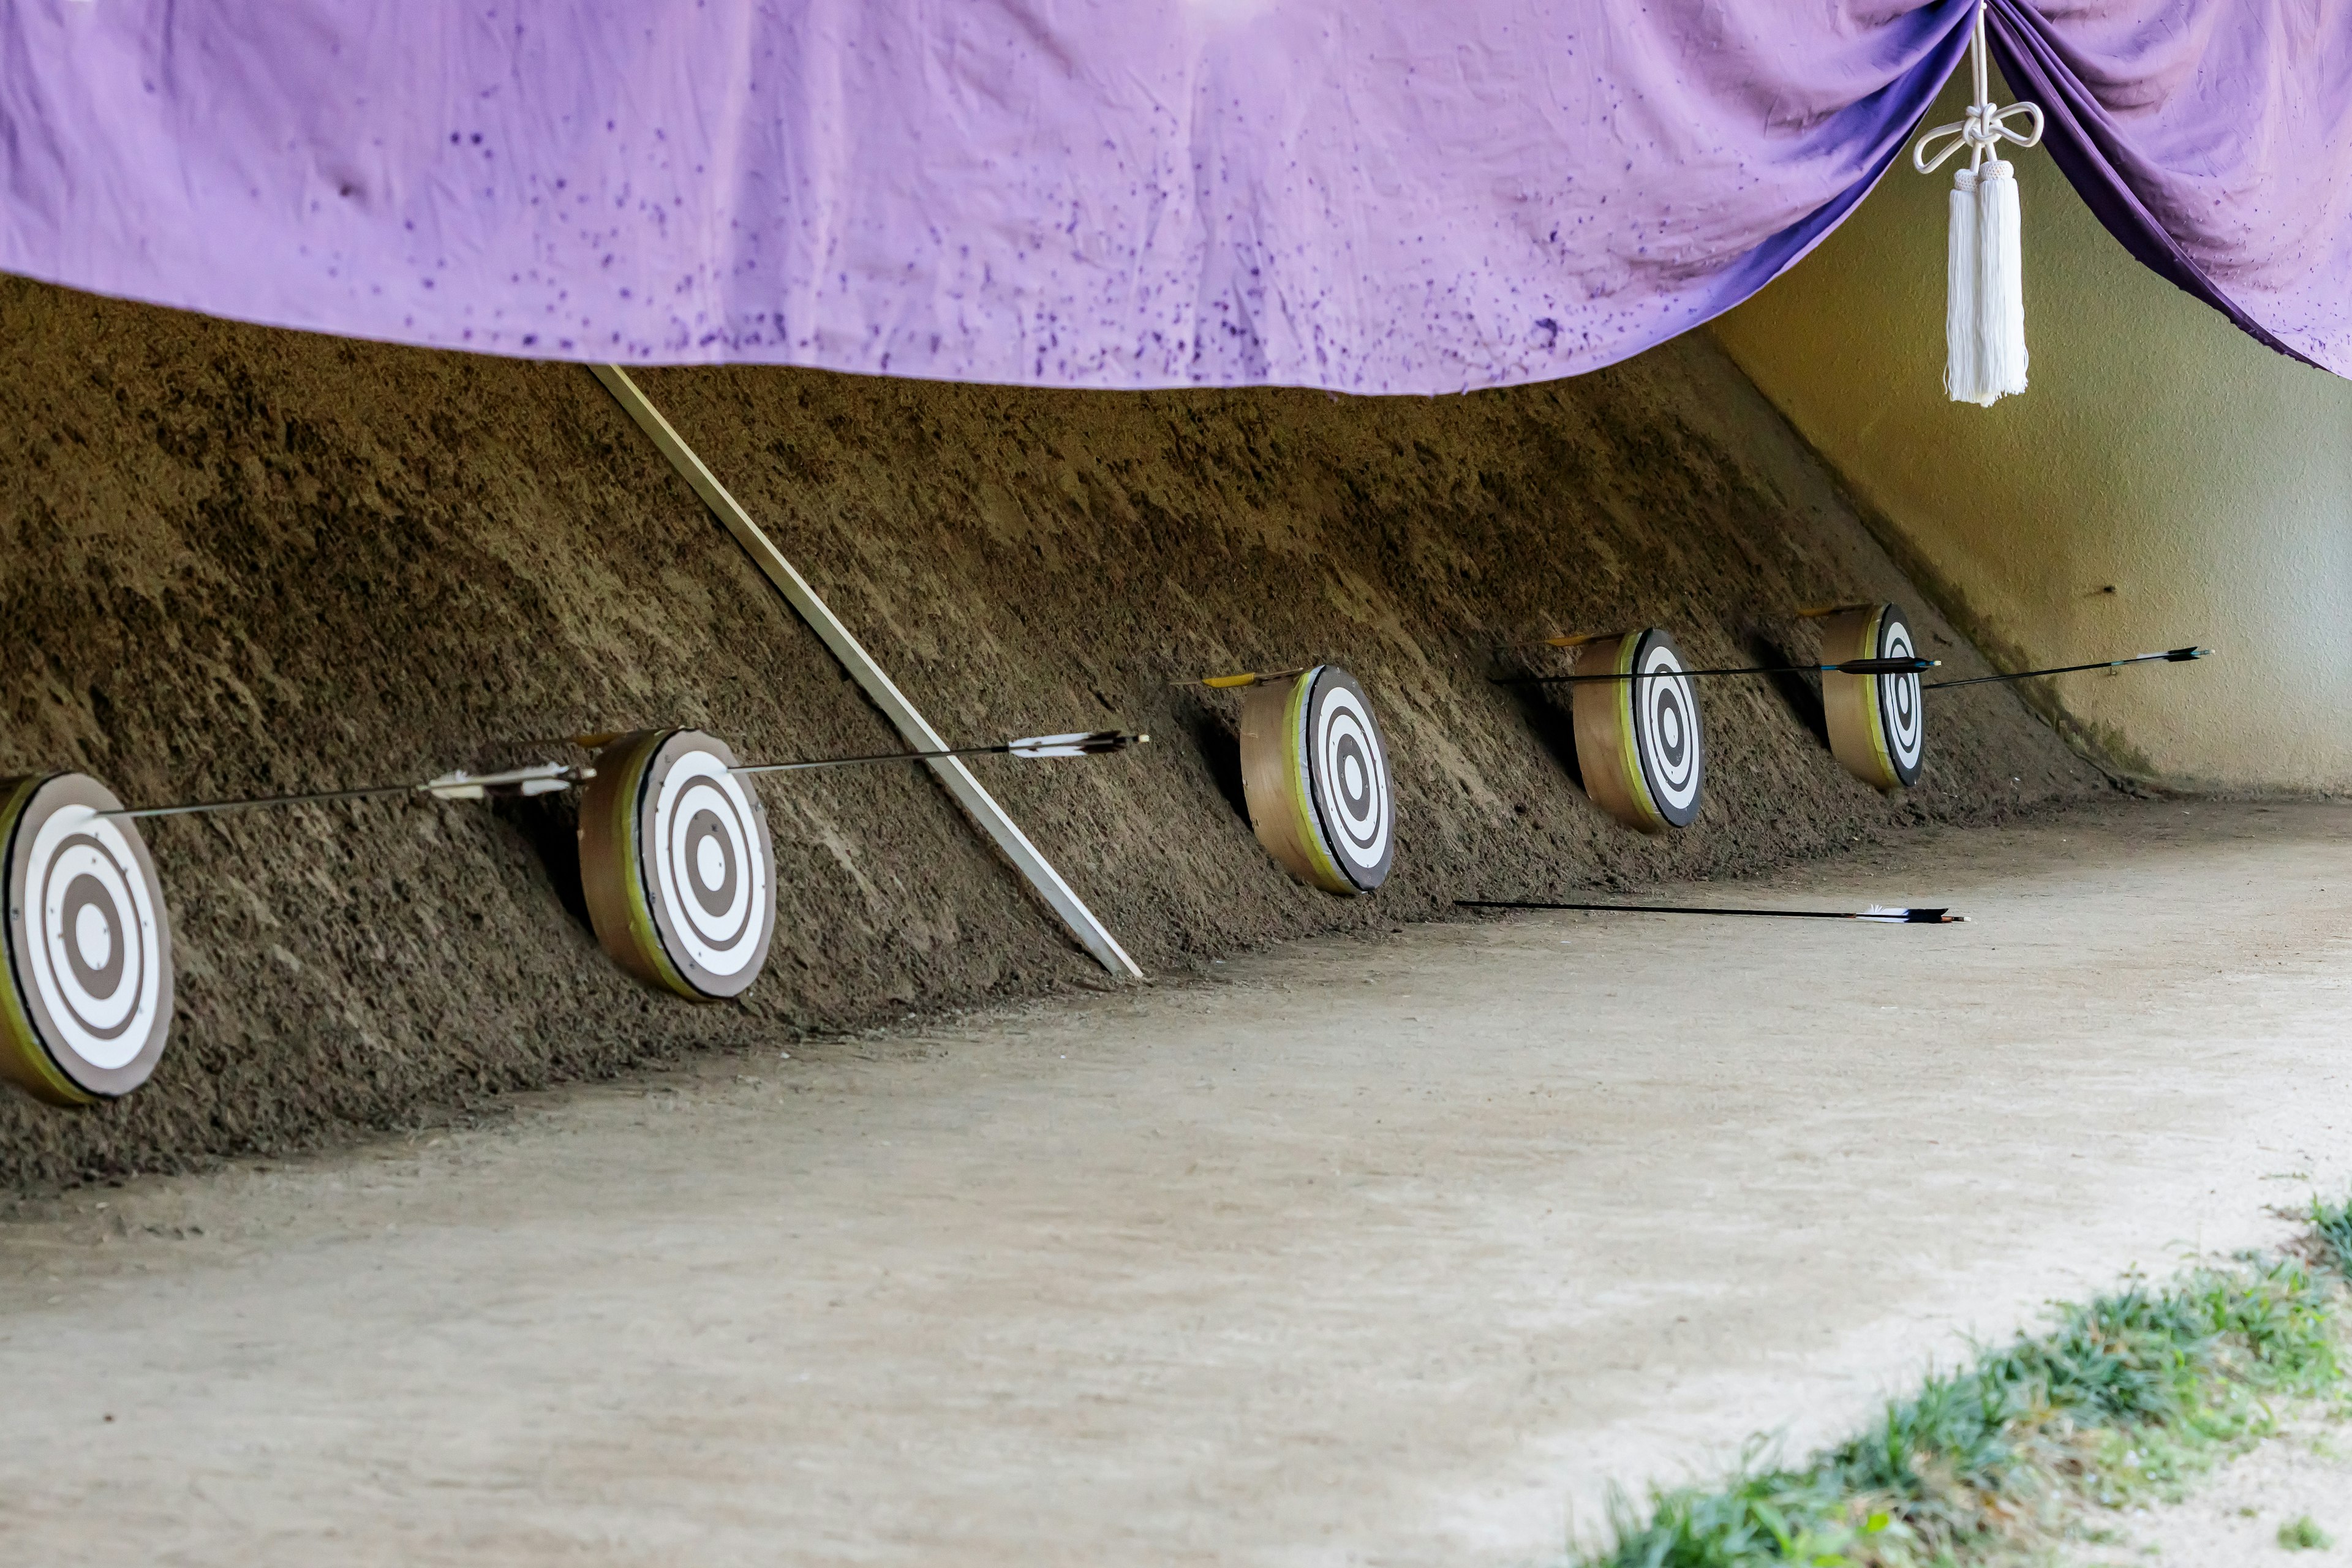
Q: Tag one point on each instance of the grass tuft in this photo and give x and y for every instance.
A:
(2117, 1401)
(2303, 1535)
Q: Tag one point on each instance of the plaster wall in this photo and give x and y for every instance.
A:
(2166, 480)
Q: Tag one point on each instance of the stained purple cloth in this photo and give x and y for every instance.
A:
(1369, 196)
(2214, 138)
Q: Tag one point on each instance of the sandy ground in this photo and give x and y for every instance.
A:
(1366, 1252)
(2232, 1517)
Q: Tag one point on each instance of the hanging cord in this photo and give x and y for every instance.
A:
(1987, 126)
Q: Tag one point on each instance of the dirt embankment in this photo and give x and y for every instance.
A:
(239, 561)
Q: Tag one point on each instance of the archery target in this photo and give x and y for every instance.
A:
(677, 864)
(1316, 780)
(1639, 741)
(1876, 726)
(85, 991)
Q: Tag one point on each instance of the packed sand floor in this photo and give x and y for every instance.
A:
(2232, 1517)
(1384, 1251)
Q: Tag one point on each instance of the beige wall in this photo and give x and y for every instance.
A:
(2160, 452)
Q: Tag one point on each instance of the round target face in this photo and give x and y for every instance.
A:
(1899, 698)
(1638, 738)
(1665, 729)
(1876, 724)
(1348, 777)
(1317, 779)
(86, 994)
(676, 861)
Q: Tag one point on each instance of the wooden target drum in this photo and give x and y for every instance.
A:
(676, 865)
(1318, 781)
(1875, 721)
(86, 991)
(1637, 739)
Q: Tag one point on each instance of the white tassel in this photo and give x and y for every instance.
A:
(2000, 283)
(1962, 379)
(1984, 265)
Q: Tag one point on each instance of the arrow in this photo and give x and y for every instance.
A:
(539, 778)
(2172, 656)
(1850, 666)
(1246, 677)
(1878, 914)
(1083, 743)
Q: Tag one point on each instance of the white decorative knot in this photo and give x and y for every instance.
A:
(1984, 129)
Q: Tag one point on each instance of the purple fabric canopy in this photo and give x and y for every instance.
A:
(2214, 138)
(1369, 195)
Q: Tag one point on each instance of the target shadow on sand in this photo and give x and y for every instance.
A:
(549, 826)
(1553, 725)
(1218, 742)
(1797, 693)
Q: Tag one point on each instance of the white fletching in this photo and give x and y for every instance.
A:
(539, 778)
(1085, 742)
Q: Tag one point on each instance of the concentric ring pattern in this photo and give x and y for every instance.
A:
(677, 864)
(86, 996)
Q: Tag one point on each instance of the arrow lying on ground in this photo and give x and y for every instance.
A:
(1878, 914)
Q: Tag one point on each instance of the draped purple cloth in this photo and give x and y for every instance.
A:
(1369, 195)
(2214, 138)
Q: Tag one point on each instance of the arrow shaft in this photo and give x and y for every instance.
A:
(1655, 910)
(195, 808)
(878, 757)
(1851, 666)
(2176, 656)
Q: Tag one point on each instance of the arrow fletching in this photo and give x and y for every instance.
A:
(1246, 677)
(539, 778)
(1087, 744)
(1883, 665)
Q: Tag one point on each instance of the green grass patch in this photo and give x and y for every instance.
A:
(2117, 1401)
(2303, 1535)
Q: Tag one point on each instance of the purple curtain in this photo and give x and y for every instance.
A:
(1369, 195)
(2214, 138)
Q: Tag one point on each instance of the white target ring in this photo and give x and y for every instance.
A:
(88, 994)
(1348, 774)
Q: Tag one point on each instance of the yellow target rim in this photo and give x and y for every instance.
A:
(23, 1060)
